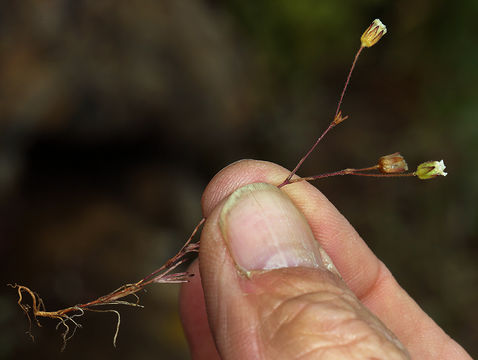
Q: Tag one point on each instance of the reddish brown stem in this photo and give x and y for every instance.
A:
(348, 80)
(288, 179)
(331, 125)
(356, 172)
(384, 175)
(179, 255)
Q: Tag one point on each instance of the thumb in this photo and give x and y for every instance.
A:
(271, 292)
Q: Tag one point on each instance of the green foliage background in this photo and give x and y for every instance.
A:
(114, 115)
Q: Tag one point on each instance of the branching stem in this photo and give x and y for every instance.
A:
(331, 125)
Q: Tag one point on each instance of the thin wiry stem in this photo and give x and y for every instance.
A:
(299, 164)
(348, 80)
(336, 120)
(356, 172)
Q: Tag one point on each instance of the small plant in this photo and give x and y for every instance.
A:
(393, 165)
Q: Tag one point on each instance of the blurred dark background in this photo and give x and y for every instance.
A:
(114, 115)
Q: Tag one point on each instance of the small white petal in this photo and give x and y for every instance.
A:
(380, 25)
(440, 167)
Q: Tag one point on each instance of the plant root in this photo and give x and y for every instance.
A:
(66, 316)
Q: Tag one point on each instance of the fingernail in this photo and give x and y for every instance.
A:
(264, 230)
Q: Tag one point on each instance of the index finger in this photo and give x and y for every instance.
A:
(361, 270)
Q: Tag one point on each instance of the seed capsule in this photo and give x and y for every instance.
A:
(392, 164)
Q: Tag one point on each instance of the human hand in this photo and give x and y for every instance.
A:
(271, 292)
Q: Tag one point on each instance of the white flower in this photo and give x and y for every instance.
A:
(373, 34)
(431, 169)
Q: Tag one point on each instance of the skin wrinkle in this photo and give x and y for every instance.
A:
(348, 316)
(283, 320)
(292, 283)
(316, 353)
(374, 288)
(350, 345)
(334, 342)
(290, 287)
(340, 325)
(379, 277)
(304, 308)
(344, 345)
(280, 306)
(346, 301)
(305, 304)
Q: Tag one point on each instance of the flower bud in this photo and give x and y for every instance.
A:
(431, 169)
(392, 164)
(373, 34)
